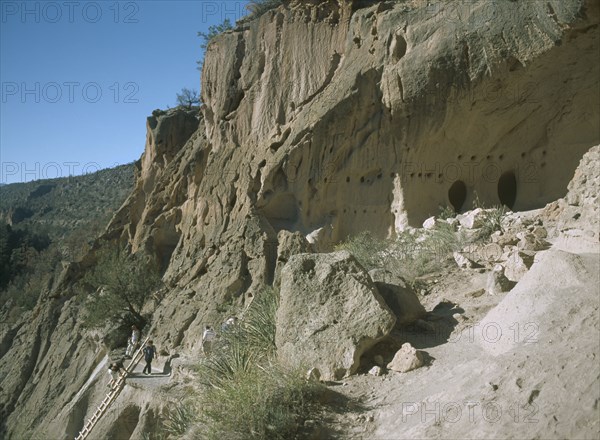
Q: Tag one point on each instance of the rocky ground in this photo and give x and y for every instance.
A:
(516, 364)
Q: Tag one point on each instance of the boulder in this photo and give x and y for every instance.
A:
(429, 223)
(472, 219)
(329, 314)
(504, 238)
(288, 244)
(320, 239)
(406, 359)
(539, 232)
(463, 262)
(530, 242)
(497, 282)
(517, 264)
(376, 371)
(399, 297)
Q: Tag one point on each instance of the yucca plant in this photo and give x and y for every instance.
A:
(179, 418)
(258, 327)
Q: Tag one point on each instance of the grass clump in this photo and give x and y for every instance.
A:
(417, 252)
(260, 403)
(492, 219)
(245, 393)
(411, 254)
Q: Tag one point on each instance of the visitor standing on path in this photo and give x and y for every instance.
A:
(134, 341)
(207, 338)
(149, 354)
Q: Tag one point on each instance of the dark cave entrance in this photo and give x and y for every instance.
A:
(457, 194)
(507, 189)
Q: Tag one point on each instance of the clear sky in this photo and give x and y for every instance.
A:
(79, 78)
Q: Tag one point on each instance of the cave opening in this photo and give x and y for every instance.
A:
(507, 189)
(457, 194)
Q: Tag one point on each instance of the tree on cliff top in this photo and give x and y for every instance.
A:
(188, 98)
(122, 283)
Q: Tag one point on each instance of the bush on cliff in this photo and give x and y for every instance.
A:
(121, 284)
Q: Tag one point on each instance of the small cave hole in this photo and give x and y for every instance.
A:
(507, 189)
(347, 179)
(398, 47)
(457, 194)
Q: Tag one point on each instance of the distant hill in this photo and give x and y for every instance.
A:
(46, 222)
(60, 206)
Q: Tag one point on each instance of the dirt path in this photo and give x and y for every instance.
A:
(161, 374)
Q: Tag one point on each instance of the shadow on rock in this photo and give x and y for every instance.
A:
(432, 331)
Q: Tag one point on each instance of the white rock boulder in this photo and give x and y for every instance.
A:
(406, 359)
(329, 314)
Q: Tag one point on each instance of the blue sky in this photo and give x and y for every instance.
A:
(79, 78)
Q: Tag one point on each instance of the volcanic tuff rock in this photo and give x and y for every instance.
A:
(339, 115)
(578, 214)
(399, 296)
(330, 313)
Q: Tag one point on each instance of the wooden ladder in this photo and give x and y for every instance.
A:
(112, 395)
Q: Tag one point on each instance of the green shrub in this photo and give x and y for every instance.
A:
(446, 212)
(259, 7)
(258, 327)
(179, 418)
(121, 283)
(213, 31)
(262, 403)
(239, 349)
(492, 219)
(411, 254)
(367, 249)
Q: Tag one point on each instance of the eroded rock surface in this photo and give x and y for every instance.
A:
(330, 313)
(343, 116)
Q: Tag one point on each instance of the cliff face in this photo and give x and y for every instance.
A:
(371, 119)
(325, 115)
